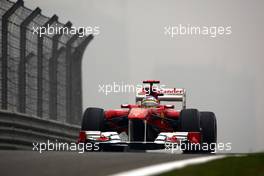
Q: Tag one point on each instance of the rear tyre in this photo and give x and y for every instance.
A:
(209, 131)
(93, 119)
(190, 122)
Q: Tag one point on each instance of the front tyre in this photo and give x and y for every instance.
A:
(190, 122)
(209, 131)
(93, 119)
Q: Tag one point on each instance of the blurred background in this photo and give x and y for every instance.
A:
(222, 74)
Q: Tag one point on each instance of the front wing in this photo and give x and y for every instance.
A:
(163, 139)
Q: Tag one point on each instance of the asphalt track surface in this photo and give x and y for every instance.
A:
(32, 163)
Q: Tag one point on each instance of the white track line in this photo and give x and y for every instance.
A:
(165, 167)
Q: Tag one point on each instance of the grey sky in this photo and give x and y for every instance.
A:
(222, 74)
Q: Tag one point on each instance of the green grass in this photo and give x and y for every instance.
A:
(250, 165)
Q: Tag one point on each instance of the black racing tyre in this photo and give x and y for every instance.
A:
(190, 120)
(93, 119)
(209, 131)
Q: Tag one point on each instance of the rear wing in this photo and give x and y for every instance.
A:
(166, 94)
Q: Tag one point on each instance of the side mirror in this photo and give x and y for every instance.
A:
(125, 106)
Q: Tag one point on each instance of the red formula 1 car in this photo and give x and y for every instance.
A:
(150, 124)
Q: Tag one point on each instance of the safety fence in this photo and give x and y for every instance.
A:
(40, 75)
(40, 78)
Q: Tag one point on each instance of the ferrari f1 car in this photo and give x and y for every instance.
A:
(151, 124)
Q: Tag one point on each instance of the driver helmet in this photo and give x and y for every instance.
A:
(150, 101)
